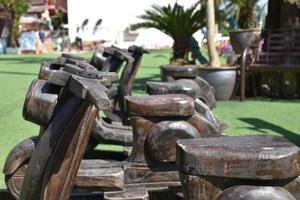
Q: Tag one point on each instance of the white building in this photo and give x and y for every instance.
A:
(115, 17)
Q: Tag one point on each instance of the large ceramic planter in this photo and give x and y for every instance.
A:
(223, 79)
(240, 39)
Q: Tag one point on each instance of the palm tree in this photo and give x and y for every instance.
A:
(177, 22)
(244, 10)
(16, 8)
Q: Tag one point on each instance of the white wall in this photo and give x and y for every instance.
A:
(116, 15)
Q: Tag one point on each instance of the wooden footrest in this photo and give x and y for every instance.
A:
(101, 178)
(127, 194)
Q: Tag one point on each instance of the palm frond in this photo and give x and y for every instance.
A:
(176, 21)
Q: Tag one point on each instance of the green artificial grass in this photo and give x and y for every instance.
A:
(262, 116)
(259, 116)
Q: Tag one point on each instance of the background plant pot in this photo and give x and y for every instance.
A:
(223, 79)
(240, 39)
(11, 50)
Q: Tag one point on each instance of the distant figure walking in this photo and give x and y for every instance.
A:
(78, 40)
(196, 53)
(42, 35)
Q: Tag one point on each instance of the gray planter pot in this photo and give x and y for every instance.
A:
(223, 79)
(240, 39)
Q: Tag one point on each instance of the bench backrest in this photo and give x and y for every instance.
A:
(281, 46)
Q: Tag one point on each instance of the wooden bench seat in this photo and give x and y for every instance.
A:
(186, 71)
(208, 166)
(160, 105)
(127, 194)
(159, 88)
(259, 157)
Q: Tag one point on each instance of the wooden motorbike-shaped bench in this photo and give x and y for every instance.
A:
(239, 168)
(170, 117)
(183, 80)
(158, 121)
(113, 170)
(115, 127)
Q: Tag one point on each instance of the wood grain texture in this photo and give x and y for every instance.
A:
(261, 157)
(173, 72)
(159, 88)
(127, 194)
(160, 105)
(161, 142)
(63, 165)
(40, 102)
(32, 182)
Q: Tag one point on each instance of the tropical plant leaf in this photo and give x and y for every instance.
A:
(176, 21)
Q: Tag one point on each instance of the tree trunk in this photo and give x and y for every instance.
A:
(246, 18)
(214, 60)
(282, 15)
(13, 29)
(180, 49)
(273, 16)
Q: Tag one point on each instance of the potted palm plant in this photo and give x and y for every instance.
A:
(247, 32)
(177, 22)
(181, 24)
(222, 78)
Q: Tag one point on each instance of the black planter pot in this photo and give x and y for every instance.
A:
(223, 79)
(240, 39)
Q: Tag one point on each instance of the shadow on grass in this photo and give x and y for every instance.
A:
(19, 73)
(259, 125)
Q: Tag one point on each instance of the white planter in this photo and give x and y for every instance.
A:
(11, 50)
